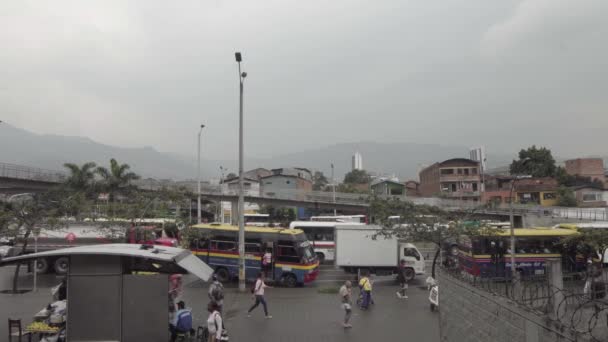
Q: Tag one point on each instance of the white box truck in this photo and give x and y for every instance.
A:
(361, 248)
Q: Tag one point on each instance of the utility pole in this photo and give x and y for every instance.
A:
(241, 213)
(333, 185)
(198, 208)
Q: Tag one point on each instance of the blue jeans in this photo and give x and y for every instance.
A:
(367, 296)
(258, 300)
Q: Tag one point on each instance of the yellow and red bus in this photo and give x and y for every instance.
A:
(293, 260)
(490, 255)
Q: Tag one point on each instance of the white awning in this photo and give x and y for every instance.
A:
(182, 257)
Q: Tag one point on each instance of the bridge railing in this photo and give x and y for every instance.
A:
(30, 173)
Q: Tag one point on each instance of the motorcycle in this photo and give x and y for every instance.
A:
(433, 293)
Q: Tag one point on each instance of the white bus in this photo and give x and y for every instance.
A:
(341, 218)
(257, 220)
(321, 235)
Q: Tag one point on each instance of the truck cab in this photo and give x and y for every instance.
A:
(414, 261)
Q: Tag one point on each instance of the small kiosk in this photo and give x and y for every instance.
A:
(119, 292)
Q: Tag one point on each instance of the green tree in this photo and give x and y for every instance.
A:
(117, 179)
(231, 175)
(357, 177)
(537, 162)
(319, 181)
(81, 178)
(565, 197)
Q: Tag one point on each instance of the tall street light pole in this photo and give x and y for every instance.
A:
(198, 201)
(333, 185)
(241, 211)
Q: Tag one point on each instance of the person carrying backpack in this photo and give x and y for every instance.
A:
(182, 323)
(258, 291)
(216, 293)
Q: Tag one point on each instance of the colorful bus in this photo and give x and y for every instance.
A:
(490, 255)
(293, 259)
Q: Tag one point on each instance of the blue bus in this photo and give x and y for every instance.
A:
(293, 260)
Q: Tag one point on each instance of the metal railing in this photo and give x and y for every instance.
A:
(30, 173)
(580, 305)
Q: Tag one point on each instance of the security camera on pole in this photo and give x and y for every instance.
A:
(241, 210)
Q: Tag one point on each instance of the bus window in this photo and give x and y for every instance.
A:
(287, 254)
(194, 244)
(252, 248)
(223, 245)
(203, 244)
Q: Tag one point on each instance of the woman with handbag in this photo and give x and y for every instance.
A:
(215, 324)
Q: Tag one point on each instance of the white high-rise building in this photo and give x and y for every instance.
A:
(479, 154)
(357, 161)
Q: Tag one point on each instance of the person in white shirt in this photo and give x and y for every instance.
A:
(258, 292)
(267, 262)
(215, 324)
(345, 297)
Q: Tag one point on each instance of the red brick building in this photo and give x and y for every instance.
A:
(587, 167)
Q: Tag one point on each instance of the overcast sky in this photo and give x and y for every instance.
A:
(504, 74)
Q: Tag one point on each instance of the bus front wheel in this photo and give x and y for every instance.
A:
(222, 274)
(321, 257)
(290, 280)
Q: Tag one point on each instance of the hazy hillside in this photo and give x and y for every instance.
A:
(51, 151)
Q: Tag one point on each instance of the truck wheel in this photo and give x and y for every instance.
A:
(409, 274)
(290, 280)
(222, 274)
(42, 266)
(61, 265)
(321, 257)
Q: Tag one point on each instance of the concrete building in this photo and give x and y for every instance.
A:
(286, 179)
(387, 187)
(590, 196)
(540, 191)
(412, 188)
(453, 178)
(586, 167)
(357, 161)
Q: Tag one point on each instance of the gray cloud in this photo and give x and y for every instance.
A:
(505, 74)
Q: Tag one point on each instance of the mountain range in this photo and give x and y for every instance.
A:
(404, 160)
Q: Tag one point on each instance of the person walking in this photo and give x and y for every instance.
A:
(267, 262)
(215, 324)
(402, 279)
(366, 286)
(216, 293)
(258, 293)
(345, 297)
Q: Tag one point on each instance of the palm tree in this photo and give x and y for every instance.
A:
(116, 180)
(81, 178)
